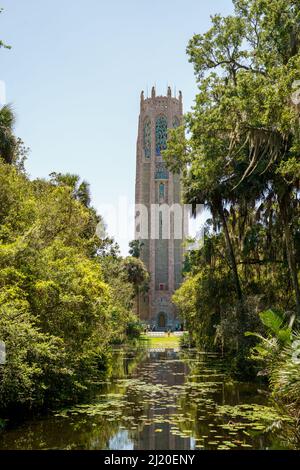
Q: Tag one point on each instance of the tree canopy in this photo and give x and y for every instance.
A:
(238, 153)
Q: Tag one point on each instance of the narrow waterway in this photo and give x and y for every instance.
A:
(161, 399)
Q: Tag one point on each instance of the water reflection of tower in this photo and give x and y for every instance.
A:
(169, 374)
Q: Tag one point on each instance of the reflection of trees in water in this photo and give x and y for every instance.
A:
(57, 433)
(198, 406)
(75, 431)
(123, 363)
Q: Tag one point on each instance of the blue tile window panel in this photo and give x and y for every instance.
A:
(161, 134)
(161, 172)
(147, 138)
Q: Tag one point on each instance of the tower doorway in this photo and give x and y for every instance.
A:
(161, 320)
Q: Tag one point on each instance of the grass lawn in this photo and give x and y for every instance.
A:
(171, 341)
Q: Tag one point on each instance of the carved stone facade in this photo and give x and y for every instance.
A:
(155, 185)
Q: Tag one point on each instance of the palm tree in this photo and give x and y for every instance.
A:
(80, 189)
(138, 276)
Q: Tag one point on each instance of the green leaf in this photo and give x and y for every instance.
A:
(271, 320)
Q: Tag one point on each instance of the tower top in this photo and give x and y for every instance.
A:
(168, 95)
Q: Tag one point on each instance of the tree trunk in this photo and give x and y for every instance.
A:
(138, 302)
(284, 207)
(231, 253)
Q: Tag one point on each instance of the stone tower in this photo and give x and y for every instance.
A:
(158, 189)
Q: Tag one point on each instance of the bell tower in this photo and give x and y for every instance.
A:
(157, 191)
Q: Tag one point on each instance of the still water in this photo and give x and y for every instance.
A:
(161, 399)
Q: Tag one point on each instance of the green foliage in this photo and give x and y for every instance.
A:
(274, 322)
(2, 44)
(136, 273)
(80, 190)
(8, 141)
(290, 170)
(135, 248)
(240, 159)
(285, 376)
(278, 352)
(134, 329)
(186, 341)
(64, 295)
(278, 335)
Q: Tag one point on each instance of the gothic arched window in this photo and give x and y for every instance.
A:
(161, 191)
(161, 134)
(147, 138)
(176, 122)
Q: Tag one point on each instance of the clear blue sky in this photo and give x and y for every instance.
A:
(74, 76)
